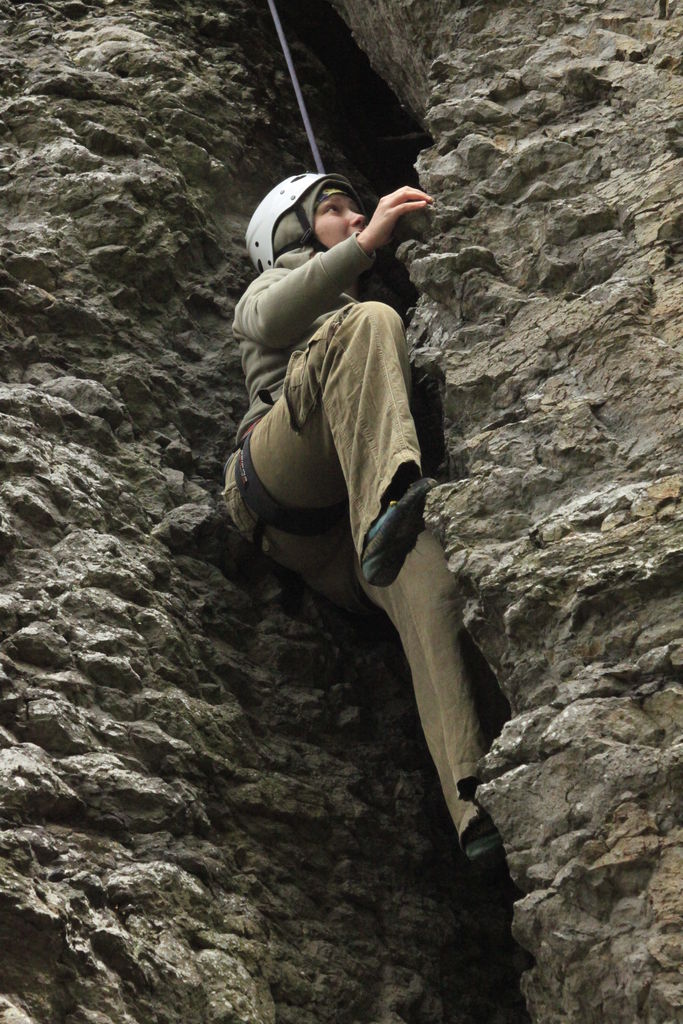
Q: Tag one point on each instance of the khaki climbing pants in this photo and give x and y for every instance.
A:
(343, 426)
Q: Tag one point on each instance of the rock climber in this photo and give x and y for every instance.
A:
(327, 475)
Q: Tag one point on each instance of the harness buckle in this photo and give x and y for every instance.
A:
(242, 470)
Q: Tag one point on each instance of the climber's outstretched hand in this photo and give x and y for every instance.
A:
(389, 210)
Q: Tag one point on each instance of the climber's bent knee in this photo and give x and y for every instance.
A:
(380, 314)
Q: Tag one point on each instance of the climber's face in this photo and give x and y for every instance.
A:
(336, 219)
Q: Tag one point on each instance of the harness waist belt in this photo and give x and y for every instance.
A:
(304, 522)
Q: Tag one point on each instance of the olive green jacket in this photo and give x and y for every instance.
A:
(283, 308)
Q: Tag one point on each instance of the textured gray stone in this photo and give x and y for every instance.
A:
(216, 804)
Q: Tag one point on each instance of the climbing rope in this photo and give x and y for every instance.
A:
(297, 88)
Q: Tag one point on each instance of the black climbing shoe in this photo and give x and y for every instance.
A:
(481, 842)
(394, 534)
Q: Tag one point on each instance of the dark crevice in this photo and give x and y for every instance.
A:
(371, 127)
(493, 706)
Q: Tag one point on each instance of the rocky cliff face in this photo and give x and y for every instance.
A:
(214, 798)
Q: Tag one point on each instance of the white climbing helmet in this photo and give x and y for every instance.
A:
(289, 197)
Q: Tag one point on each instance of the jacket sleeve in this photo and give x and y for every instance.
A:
(280, 305)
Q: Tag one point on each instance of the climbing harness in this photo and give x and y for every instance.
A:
(297, 88)
(303, 522)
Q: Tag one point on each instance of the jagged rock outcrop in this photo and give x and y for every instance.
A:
(215, 804)
(552, 311)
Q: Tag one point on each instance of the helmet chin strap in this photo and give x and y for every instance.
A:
(309, 236)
